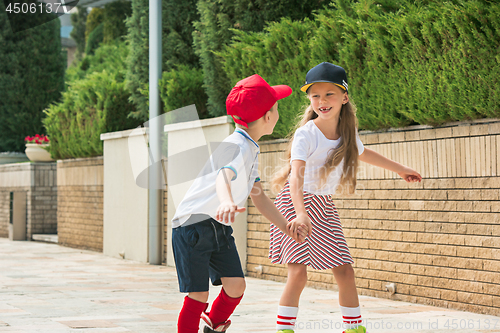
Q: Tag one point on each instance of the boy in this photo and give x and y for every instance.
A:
(201, 236)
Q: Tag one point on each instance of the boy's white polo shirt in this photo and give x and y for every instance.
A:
(238, 152)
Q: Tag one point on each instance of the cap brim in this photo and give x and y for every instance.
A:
(282, 91)
(306, 86)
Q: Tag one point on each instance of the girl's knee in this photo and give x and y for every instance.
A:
(297, 275)
(344, 272)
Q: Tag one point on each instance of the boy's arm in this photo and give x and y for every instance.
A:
(297, 196)
(270, 212)
(372, 157)
(227, 208)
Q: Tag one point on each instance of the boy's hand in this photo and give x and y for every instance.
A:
(299, 228)
(410, 175)
(226, 211)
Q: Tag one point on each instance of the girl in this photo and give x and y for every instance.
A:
(322, 160)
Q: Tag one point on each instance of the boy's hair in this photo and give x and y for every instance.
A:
(347, 150)
(251, 124)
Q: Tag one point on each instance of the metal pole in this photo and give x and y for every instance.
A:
(155, 49)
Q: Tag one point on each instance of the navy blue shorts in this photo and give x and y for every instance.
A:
(204, 250)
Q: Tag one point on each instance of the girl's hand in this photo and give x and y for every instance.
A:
(410, 175)
(299, 228)
(226, 211)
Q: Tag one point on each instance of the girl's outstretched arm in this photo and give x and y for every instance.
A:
(372, 157)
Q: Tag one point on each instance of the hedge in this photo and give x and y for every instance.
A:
(114, 17)
(95, 39)
(177, 40)
(216, 27)
(408, 62)
(31, 76)
(183, 86)
(94, 104)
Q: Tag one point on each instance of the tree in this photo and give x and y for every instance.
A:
(215, 28)
(177, 40)
(79, 20)
(31, 77)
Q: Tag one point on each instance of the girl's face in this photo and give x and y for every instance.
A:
(327, 99)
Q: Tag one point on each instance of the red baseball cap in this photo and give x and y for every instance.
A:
(252, 97)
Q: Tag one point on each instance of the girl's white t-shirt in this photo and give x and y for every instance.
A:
(310, 145)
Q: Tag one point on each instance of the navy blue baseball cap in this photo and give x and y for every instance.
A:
(326, 72)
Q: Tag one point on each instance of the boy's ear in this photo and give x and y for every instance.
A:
(267, 116)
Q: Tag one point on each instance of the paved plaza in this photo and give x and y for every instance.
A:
(50, 288)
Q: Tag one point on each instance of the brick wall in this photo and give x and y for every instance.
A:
(80, 203)
(4, 213)
(438, 240)
(165, 227)
(39, 181)
(42, 200)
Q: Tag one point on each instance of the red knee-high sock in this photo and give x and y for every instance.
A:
(189, 317)
(223, 307)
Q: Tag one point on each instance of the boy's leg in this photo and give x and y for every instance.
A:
(192, 248)
(348, 297)
(189, 317)
(228, 299)
(225, 269)
(289, 302)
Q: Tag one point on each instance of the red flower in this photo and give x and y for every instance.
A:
(38, 139)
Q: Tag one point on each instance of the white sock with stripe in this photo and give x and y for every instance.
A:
(287, 315)
(351, 317)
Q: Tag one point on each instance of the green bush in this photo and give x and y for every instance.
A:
(94, 18)
(96, 101)
(79, 21)
(31, 75)
(425, 62)
(114, 17)
(95, 39)
(182, 87)
(94, 105)
(280, 55)
(214, 31)
(177, 40)
(110, 57)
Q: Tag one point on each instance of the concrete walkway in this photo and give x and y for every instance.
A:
(49, 288)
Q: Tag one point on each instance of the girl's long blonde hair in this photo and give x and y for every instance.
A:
(347, 150)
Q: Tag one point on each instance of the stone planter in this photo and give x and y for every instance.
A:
(37, 153)
(12, 157)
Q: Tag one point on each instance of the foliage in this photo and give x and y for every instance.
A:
(94, 18)
(408, 62)
(182, 87)
(109, 57)
(95, 39)
(114, 16)
(31, 77)
(78, 21)
(214, 31)
(96, 101)
(94, 105)
(177, 40)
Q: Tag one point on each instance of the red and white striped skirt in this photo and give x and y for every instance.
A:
(324, 249)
